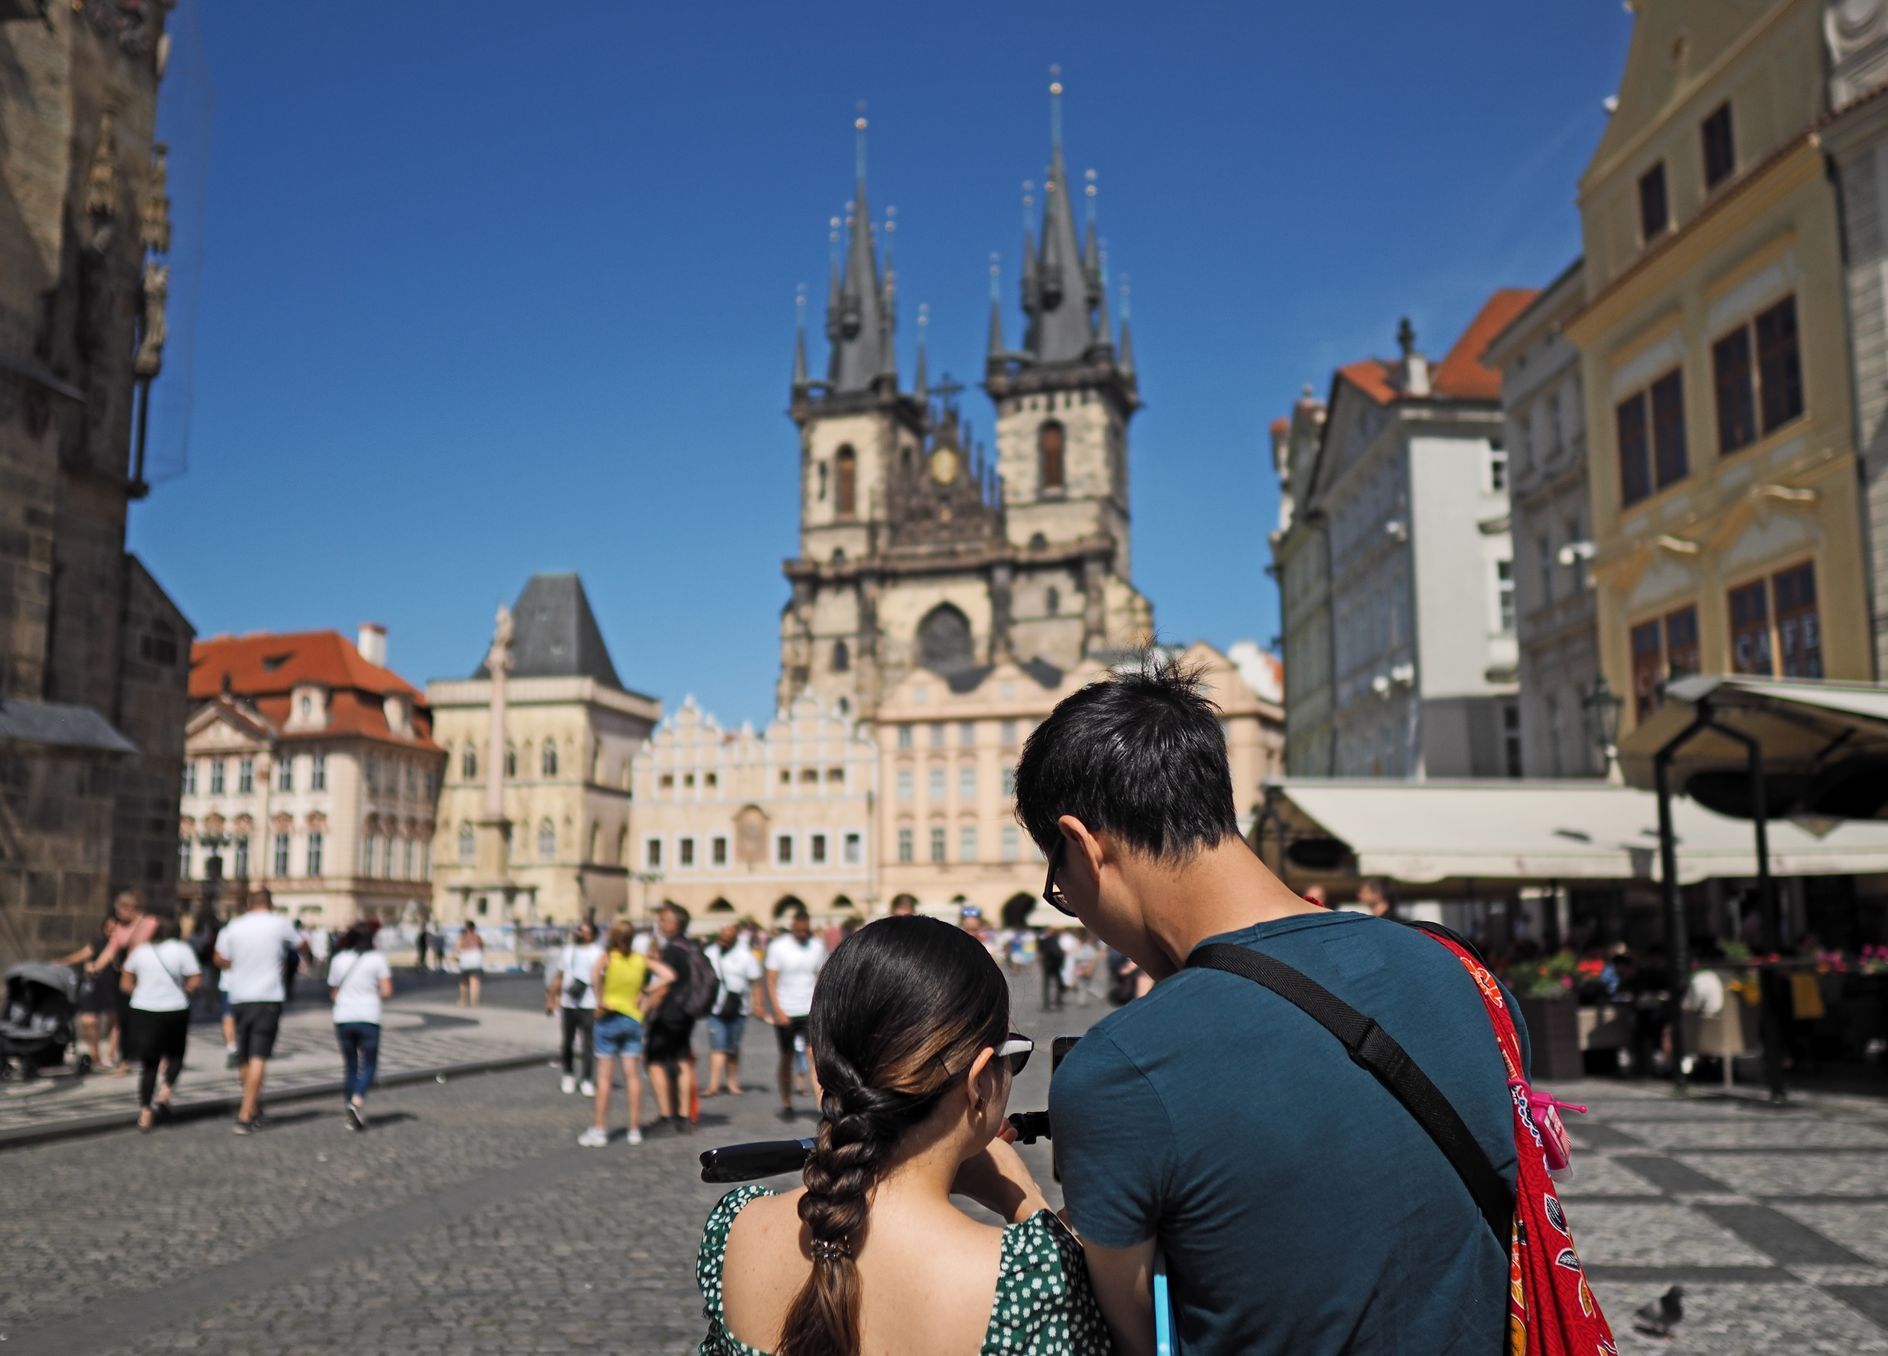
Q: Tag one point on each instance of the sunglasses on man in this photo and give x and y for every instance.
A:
(1051, 892)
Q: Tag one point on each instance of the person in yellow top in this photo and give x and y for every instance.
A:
(623, 981)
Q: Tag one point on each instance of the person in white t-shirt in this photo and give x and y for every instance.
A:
(358, 979)
(470, 950)
(794, 961)
(160, 975)
(250, 952)
(568, 993)
(738, 969)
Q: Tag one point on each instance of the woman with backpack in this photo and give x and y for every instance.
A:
(358, 980)
(620, 979)
(159, 977)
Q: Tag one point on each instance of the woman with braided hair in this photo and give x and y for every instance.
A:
(910, 1036)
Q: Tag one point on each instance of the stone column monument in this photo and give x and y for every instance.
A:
(494, 859)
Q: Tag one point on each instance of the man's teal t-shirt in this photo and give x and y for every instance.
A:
(1300, 1207)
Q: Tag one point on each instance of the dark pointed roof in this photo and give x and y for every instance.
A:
(1061, 291)
(857, 318)
(556, 634)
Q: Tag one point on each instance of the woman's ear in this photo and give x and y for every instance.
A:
(978, 1086)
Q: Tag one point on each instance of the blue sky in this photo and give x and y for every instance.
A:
(486, 290)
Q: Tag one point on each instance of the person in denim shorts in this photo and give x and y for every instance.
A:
(738, 969)
(620, 979)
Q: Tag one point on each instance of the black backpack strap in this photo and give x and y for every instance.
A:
(1376, 1051)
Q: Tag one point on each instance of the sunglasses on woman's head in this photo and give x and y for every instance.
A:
(1015, 1048)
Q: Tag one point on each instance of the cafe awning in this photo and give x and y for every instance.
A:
(1823, 746)
(1468, 836)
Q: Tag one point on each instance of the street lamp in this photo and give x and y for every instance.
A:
(1602, 706)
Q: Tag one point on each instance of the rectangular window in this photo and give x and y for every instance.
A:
(816, 849)
(937, 845)
(246, 776)
(1504, 594)
(183, 859)
(1012, 843)
(1009, 782)
(1654, 213)
(1779, 365)
(190, 777)
(242, 859)
(652, 854)
(906, 789)
(426, 860)
(1497, 468)
(783, 849)
(1545, 551)
(1669, 457)
(1799, 628)
(966, 842)
(1720, 153)
(315, 845)
(685, 852)
(809, 775)
(967, 782)
(1511, 739)
(904, 846)
(904, 736)
(216, 776)
(1009, 734)
(967, 734)
(835, 776)
(281, 854)
(937, 735)
(718, 850)
(285, 773)
(1750, 629)
(1635, 462)
(855, 849)
(1647, 668)
(936, 783)
(1681, 642)
(1736, 390)
(370, 768)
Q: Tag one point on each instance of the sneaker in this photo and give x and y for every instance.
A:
(587, 1088)
(569, 1085)
(635, 1135)
(229, 1057)
(684, 1126)
(356, 1117)
(787, 1113)
(594, 1138)
(244, 1127)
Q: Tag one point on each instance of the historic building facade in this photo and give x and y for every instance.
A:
(920, 550)
(749, 824)
(1726, 518)
(1395, 554)
(1544, 415)
(310, 767)
(93, 656)
(533, 820)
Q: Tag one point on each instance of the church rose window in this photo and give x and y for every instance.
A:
(944, 639)
(1049, 447)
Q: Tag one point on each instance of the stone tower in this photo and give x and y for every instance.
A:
(915, 547)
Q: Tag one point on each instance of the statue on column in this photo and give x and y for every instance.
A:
(498, 658)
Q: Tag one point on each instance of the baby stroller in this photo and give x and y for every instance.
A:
(36, 1026)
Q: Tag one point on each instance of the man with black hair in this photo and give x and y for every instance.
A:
(668, 1041)
(1299, 1207)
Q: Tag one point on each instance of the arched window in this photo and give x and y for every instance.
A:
(1049, 449)
(465, 842)
(846, 487)
(1038, 542)
(511, 761)
(548, 761)
(596, 841)
(822, 482)
(547, 840)
(944, 639)
(842, 657)
(469, 763)
(1053, 600)
(786, 905)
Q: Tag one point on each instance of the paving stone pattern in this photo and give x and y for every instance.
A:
(468, 1221)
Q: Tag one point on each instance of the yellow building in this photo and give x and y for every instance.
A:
(533, 817)
(1723, 477)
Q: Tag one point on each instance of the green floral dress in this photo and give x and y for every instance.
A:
(1043, 1305)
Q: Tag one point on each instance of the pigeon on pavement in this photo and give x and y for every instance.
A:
(1658, 1320)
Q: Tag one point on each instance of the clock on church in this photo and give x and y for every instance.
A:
(944, 465)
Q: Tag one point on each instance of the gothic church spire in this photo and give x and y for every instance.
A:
(858, 321)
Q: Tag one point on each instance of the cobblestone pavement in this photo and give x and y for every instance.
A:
(467, 1220)
(424, 1033)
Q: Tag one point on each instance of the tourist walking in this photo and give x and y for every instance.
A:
(136, 924)
(249, 950)
(622, 977)
(96, 1000)
(423, 941)
(292, 960)
(469, 949)
(737, 969)
(669, 1044)
(794, 960)
(1049, 958)
(912, 1041)
(159, 977)
(359, 980)
(570, 994)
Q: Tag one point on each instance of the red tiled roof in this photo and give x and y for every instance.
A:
(1460, 375)
(264, 669)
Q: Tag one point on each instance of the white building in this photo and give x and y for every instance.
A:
(1407, 486)
(1555, 628)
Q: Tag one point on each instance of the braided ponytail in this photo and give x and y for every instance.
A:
(900, 1011)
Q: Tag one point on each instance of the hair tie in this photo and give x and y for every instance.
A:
(830, 1250)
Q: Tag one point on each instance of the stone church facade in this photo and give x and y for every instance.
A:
(918, 547)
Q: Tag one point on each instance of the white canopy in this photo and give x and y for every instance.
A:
(1430, 833)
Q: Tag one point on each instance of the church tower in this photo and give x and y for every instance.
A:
(1063, 401)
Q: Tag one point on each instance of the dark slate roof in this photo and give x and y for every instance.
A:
(556, 635)
(60, 725)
